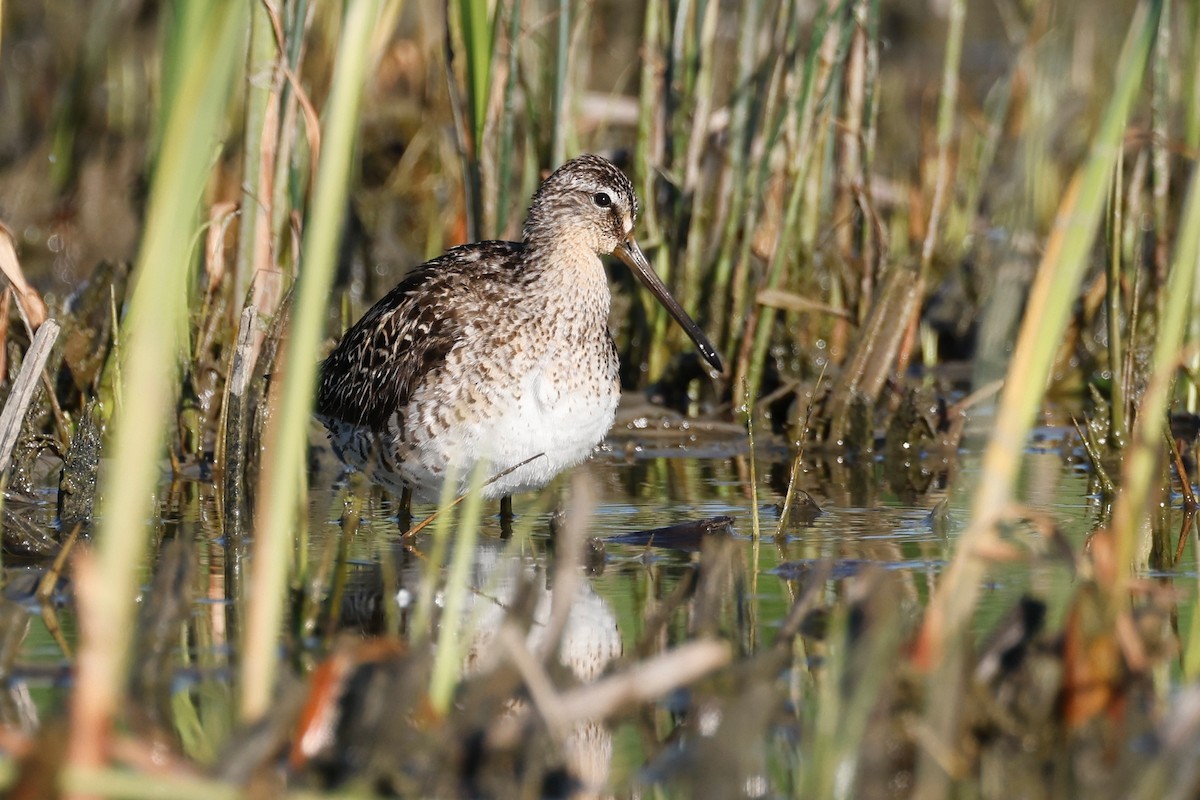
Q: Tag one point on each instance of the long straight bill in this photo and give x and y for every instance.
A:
(629, 252)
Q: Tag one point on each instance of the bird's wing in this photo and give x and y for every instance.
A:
(384, 356)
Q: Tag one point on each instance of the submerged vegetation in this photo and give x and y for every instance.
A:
(914, 229)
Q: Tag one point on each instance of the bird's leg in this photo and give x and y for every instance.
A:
(506, 517)
(405, 516)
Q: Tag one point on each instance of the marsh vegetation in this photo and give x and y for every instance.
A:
(930, 533)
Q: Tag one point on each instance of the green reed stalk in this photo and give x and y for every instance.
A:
(683, 72)
(1191, 76)
(1189, 24)
(279, 498)
(694, 188)
(69, 113)
(478, 39)
(976, 166)
(562, 61)
(1191, 79)
(947, 103)
(1193, 357)
(504, 165)
(1160, 157)
(154, 330)
(431, 573)
(1141, 463)
(648, 147)
(290, 171)
(762, 145)
(733, 187)
(477, 36)
(260, 88)
(669, 113)
(1116, 349)
(1048, 310)
(674, 86)
(848, 139)
(1191, 644)
(652, 133)
(128, 784)
(1051, 299)
(448, 659)
(748, 410)
(815, 83)
(859, 666)
(870, 20)
(690, 63)
(818, 191)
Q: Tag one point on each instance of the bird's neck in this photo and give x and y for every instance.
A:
(570, 280)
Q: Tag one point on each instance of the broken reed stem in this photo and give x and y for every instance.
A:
(12, 418)
(29, 303)
(647, 680)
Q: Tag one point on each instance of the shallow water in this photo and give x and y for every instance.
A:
(863, 523)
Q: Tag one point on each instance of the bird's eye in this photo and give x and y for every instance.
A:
(602, 199)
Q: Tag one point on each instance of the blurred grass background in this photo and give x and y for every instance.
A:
(887, 190)
(796, 146)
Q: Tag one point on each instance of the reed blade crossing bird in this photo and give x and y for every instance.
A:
(496, 352)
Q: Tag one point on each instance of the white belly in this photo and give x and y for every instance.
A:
(526, 434)
(537, 431)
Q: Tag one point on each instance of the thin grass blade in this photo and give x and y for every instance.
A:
(153, 334)
(279, 498)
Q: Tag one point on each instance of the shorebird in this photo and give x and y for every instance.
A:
(496, 352)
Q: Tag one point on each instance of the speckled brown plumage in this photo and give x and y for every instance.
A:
(497, 351)
(373, 370)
